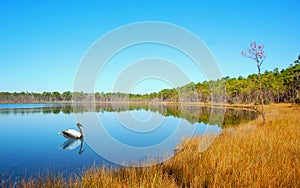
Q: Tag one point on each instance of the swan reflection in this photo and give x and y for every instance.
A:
(72, 143)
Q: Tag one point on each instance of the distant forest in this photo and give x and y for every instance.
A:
(278, 86)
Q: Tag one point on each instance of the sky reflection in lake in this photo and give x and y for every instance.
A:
(31, 145)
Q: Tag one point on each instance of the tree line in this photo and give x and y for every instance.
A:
(277, 86)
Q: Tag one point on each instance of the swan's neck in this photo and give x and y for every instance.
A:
(81, 132)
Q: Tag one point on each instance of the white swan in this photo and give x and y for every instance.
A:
(70, 133)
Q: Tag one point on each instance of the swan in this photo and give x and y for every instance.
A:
(70, 133)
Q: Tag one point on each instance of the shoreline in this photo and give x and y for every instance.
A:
(264, 149)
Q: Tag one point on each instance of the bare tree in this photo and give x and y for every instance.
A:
(257, 53)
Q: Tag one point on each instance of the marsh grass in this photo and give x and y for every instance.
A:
(250, 155)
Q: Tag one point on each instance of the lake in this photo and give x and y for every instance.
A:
(115, 134)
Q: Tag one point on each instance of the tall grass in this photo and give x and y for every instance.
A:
(250, 155)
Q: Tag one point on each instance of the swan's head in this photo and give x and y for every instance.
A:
(79, 125)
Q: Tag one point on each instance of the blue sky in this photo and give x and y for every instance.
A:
(42, 42)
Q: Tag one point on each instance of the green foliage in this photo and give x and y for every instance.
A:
(277, 86)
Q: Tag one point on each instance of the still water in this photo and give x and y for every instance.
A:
(31, 145)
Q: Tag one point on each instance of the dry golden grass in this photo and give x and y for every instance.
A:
(250, 155)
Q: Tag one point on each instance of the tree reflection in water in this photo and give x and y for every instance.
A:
(191, 113)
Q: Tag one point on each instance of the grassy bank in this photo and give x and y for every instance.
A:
(248, 155)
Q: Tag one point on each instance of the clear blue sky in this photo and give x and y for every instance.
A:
(42, 42)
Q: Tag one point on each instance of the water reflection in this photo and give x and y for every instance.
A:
(191, 113)
(40, 153)
(71, 144)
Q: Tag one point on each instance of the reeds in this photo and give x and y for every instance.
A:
(249, 155)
